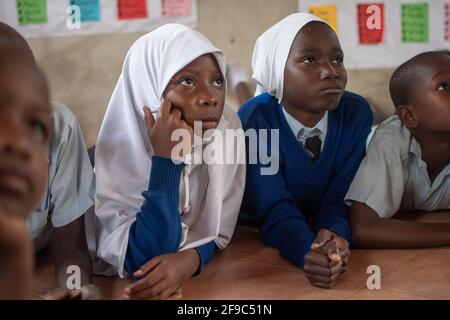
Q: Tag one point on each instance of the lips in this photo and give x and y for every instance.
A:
(210, 123)
(14, 182)
(332, 89)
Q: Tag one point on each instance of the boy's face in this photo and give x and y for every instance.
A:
(198, 90)
(430, 96)
(315, 76)
(25, 130)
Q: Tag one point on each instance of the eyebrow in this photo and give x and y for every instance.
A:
(194, 72)
(314, 49)
(440, 73)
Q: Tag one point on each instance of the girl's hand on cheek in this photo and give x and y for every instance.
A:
(161, 130)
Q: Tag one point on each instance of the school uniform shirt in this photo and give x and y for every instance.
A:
(302, 132)
(302, 197)
(70, 189)
(149, 205)
(393, 177)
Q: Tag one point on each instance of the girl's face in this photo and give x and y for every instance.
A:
(198, 90)
(314, 76)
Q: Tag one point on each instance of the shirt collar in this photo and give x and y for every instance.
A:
(298, 128)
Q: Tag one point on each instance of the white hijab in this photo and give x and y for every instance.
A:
(123, 152)
(272, 50)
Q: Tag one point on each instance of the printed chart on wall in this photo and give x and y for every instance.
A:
(50, 18)
(383, 34)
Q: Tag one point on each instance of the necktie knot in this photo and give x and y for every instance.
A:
(313, 145)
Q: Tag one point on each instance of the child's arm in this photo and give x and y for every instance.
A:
(282, 224)
(16, 258)
(371, 231)
(70, 248)
(71, 195)
(334, 213)
(157, 229)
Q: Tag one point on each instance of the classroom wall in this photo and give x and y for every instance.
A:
(82, 70)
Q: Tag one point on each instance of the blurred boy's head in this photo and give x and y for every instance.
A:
(25, 126)
(420, 91)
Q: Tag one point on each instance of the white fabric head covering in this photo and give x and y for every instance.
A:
(272, 50)
(123, 152)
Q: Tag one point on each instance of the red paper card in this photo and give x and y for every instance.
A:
(371, 23)
(131, 9)
(447, 22)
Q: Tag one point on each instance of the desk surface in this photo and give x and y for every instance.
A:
(249, 270)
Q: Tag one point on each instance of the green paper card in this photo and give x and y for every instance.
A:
(415, 22)
(31, 11)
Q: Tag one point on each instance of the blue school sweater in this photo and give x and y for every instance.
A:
(304, 197)
(157, 229)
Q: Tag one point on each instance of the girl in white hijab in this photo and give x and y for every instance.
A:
(272, 50)
(298, 64)
(162, 219)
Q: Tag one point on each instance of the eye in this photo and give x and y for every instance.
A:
(443, 86)
(339, 60)
(308, 60)
(187, 82)
(38, 129)
(218, 82)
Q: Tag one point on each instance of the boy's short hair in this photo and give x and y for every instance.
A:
(406, 74)
(10, 38)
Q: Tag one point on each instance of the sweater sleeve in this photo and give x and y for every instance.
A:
(157, 229)
(206, 254)
(283, 226)
(333, 215)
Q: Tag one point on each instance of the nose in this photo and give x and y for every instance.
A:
(208, 98)
(328, 71)
(13, 139)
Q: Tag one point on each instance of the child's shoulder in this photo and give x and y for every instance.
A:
(62, 116)
(391, 134)
(258, 108)
(65, 125)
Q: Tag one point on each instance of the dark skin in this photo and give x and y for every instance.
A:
(195, 93)
(69, 243)
(70, 248)
(427, 115)
(315, 68)
(25, 130)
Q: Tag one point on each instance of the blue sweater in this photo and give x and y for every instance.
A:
(304, 197)
(157, 229)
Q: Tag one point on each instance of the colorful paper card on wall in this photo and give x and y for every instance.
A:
(89, 9)
(415, 22)
(447, 22)
(328, 13)
(371, 23)
(132, 9)
(31, 11)
(175, 8)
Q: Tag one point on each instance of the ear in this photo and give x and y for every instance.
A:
(408, 116)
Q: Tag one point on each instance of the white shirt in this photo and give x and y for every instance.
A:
(393, 177)
(302, 132)
(70, 190)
